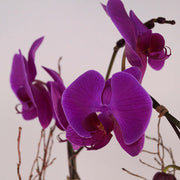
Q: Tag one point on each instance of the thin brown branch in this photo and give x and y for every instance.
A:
(148, 165)
(50, 150)
(149, 152)
(123, 62)
(35, 176)
(133, 174)
(59, 66)
(19, 153)
(46, 148)
(37, 154)
(51, 162)
(17, 110)
(160, 144)
(157, 161)
(172, 158)
(156, 140)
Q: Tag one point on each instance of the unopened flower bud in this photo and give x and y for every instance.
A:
(163, 176)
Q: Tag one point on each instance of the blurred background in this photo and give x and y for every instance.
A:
(82, 33)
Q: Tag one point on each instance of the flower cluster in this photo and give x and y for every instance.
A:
(91, 108)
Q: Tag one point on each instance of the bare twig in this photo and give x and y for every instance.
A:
(172, 158)
(149, 152)
(46, 148)
(156, 140)
(19, 153)
(160, 144)
(158, 162)
(51, 162)
(37, 155)
(59, 66)
(50, 149)
(136, 175)
(148, 165)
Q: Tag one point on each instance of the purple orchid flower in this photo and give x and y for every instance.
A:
(32, 95)
(141, 44)
(94, 108)
(56, 89)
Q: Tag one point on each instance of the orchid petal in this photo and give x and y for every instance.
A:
(106, 121)
(133, 57)
(43, 104)
(74, 138)
(97, 141)
(135, 72)
(31, 58)
(106, 95)
(139, 26)
(100, 139)
(157, 59)
(157, 42)
(18, 72)
(156, 64)
(104, 7)
(132, 149)
(131, 106)
(28, 112)
(120, 18)
(82, 98)
(77, 140)
(144, 42)
(56, 97)
(57, 78)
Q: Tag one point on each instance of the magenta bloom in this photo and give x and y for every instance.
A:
(32, 95)
(56, 89)
(141, 44)
(94, 108)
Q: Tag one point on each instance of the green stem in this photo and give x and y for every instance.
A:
(171, 166)
(72, 162)
(123, 64)
(116, 48)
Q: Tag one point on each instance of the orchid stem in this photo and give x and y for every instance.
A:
(172, 120)
(111, 62)
(73, 175)
(119, 45)
(171, 166)
(123, 64)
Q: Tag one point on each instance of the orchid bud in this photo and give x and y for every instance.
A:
(163, 176)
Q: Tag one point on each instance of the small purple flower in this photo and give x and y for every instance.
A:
(141, 43)
(163, 176)
(32, 95)
(94, 108)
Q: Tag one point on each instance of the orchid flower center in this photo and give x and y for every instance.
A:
(92, 122)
